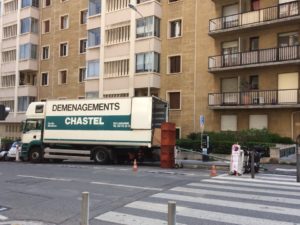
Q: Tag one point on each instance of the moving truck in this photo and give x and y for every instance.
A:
(102, 130)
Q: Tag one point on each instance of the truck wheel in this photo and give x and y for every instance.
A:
(35, 155)
(101, 156)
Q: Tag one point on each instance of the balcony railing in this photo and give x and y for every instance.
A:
(260, 56)
(255, 97)
(141, 1)
(277, 12)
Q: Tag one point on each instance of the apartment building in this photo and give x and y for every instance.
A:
(236, 62)
(19, 22)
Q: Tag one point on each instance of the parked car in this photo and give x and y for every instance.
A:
(11, 154)
(3, 154)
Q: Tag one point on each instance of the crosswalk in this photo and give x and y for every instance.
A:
(269, 199)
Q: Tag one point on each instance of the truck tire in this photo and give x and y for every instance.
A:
(35, 155)
(101, 156)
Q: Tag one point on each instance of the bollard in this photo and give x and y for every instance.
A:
(17, 154)
(252, 165)
(85, 209)
(171, 213)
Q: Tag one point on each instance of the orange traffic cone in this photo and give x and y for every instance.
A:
(213, 171)
(135, 167)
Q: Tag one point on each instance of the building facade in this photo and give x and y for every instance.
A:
(236, 62)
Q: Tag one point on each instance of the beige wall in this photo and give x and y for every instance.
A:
(74, 60)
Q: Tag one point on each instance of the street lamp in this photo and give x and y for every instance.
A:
(133, 7)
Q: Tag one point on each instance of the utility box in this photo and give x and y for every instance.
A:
(237, 160)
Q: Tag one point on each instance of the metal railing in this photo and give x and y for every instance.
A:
(255, 57)
(255, 97)
(141, 1)
(277, 12)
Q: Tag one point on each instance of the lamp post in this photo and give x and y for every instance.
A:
(133, 7)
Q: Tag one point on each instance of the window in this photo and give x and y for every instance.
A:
(258, 121)
(82, 72)
(62, 77)
(254, 5)
(63, 49)
(92, 94)
(174, 99)
(10, 31)
(175, 28)
(117, 68)
(82, 47)
(94, 37)
(27, 3)
(175, 64)
(8, 103)
(83, 16)
(92, 69)
(117, 35)
(29, 24)
(8, 80)
(253, 82)
(23, 102)
(10, 7)
(173, 1)
(254, 43)
(288, 39)
(64, 22)
(9, 56)
(178, 133)
(147, 62)
(94, 7)
(228, 123)
(46, 26)
(45, 79)
(45, 52)
(28, 51)
(47, 3)
(149, 26)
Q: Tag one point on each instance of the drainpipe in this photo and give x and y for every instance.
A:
(195, 64)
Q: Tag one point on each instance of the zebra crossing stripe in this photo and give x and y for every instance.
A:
(235, 188)
(279, 175)
(258, 181)
(3, 218)
(238, 195)
(247, 184)
(206, 215)
(127, 219)
(277, 178)
(232, 204)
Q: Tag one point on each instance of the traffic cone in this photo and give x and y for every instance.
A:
(213, 171)
(135, 167)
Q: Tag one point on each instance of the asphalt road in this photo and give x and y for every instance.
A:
(51, 194)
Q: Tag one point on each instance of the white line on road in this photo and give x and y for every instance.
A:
(258, 181)
(235, 188)
(223, 203)
(128, 186)
(287, 179)
(285, 170)
(247, 184)
(207, 215)
(126, 219)
(278, 175)
(238, 195)
(3, 217)
(46, 178)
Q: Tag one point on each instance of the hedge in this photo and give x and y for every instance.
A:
(221, 142)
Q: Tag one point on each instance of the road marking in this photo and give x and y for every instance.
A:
(238, 195)
(45, 178)
(127, 219)
(258, 181)
(277, 178)
(278, 175)
(233, 204)
(247, 184)
(235, 188)
(286, 170)
(3, 217)
(206, 215)
(3, 209)
(128, 186)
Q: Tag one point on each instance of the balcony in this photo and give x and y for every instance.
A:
(142, 1)
(259, 58)
(279, 13)
(255, 99)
